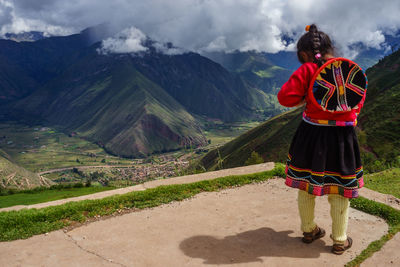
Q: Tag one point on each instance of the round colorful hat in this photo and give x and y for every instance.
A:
(339, 85)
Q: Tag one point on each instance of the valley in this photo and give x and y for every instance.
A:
(69, 159)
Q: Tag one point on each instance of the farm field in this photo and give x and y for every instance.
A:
(39, 148)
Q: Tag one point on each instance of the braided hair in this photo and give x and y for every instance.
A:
(314, 42)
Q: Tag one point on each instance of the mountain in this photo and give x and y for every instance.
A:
(131, 104)
(368, 57)
(379, 121)
(14, 176)
(271, 140)
(26, 66)
(257, 71)
(256, 68)
(378, 128)
(106, 100)
(202, 86)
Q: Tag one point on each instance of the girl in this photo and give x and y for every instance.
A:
(323, 159)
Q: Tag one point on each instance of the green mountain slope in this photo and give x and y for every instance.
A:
(271, 140)
(107, 101)
(380, 118)
(26, 66)
(379, 127)
(202, 86)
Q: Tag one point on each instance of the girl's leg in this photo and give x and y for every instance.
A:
(306, 204)
(340, 217)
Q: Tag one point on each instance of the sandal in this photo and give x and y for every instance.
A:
(339, 249)
(309, 237)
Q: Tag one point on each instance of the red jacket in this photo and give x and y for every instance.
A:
(294, 91)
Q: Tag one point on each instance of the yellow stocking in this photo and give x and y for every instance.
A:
(306, 204)
(340, 217)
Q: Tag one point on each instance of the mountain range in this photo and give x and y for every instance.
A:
(131, 104)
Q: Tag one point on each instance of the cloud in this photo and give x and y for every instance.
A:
(132, 40)
(129, 40)
(213, 25)
(5, 13)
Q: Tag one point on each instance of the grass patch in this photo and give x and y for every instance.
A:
(28, 222)
(386, 182)
(389, 214)
(219, 133)
(40, 196)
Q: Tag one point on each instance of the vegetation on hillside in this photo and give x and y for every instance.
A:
(379, 120)
(270, 140)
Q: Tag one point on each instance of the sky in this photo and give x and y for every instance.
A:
(208, 25)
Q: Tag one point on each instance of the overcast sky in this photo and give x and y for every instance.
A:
(210, 25)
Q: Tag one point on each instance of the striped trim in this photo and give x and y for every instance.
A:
(322, 183)
(326, 172)
(325, 189)
(328, 122)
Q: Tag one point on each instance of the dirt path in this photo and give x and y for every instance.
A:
(83, 167)
(154, 183)
(253, 225)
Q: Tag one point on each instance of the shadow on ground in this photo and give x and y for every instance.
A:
(250, 246)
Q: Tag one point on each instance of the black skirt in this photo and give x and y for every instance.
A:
(325, 160)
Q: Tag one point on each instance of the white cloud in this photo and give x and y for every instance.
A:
(217, 45)
(129, 40)
(212, 25)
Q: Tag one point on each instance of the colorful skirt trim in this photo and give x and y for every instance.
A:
(307, 180)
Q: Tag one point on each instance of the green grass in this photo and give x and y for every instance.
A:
(268, 73)
(48, 195)
(386, 182)
(389, 214)
(29, 222)
(221, 133)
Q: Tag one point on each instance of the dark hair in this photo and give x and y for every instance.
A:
(315, 42)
